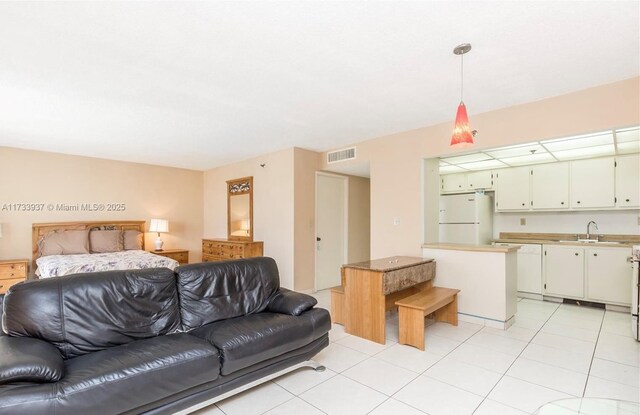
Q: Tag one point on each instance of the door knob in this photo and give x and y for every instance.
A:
(318, 239)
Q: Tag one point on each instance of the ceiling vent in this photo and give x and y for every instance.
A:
(341, 155)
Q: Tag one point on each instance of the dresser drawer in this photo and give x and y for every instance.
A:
(182, 258)
(6, 283)
(211, 258)
(220, 250)
(11, 271)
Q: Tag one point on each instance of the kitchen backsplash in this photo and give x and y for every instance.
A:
(609, 222)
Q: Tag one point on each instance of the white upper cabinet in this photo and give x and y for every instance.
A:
(628, 181)
(479, 180)
(463, 182)
(512, 189)
(592, 183)
(451, 183)
(550, 186)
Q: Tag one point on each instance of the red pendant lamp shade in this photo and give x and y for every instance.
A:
(462, 135)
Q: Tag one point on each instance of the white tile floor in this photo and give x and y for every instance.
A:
(552, 351)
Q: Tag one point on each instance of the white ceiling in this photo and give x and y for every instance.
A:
(201, 84)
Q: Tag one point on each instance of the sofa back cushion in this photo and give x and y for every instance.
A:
(83, 313)
(213, 291)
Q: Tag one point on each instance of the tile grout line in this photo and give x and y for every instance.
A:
(296, 396)
(518, 356)
(593, 355)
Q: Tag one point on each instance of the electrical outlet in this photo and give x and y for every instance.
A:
(523, 221)
(396, 221)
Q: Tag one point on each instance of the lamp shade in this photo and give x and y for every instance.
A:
(159, 225)
(462, 135)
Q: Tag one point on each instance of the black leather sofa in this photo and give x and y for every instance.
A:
(152, 341)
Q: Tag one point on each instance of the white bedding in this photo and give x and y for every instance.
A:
(58, 265)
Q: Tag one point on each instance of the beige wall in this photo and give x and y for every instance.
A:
(396, 161)
(147, 191)
(273, 205)
(359, 219)
(305, 166)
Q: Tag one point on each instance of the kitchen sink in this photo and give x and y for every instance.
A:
(592, 241)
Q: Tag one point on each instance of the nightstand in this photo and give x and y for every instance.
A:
(180, 255)
(12, 271)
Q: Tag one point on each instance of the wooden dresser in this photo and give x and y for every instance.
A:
(12, 271)
(222, 249)
(180, 255)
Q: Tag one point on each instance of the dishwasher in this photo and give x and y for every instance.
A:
(529, 267)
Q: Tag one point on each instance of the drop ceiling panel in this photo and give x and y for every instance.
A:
(627, 141)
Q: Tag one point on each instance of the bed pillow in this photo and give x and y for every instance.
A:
(132, 240)
(64, 242)
(105, 241)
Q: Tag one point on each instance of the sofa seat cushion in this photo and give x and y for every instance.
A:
(245, 341)
(125, 377)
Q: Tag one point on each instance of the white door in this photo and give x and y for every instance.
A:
(564, 271)
(628, 181)
(592, 183)
(550, 186)
(331, 191)
(512, 192)
(608, 275)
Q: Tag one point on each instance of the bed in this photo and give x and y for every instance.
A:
(49, 263)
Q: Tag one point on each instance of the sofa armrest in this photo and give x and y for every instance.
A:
(290, 302)
(26, 359)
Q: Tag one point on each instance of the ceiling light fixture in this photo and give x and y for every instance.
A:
(462, 134)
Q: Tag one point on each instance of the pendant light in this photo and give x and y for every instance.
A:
(462, 134)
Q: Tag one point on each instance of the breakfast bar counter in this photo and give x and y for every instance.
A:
(486, 276)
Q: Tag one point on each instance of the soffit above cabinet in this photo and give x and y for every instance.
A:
(606, 143)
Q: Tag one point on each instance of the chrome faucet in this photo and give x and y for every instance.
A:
(588, 227)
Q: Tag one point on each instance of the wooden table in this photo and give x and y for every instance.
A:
(373, 287)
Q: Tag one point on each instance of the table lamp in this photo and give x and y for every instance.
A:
(160, 226)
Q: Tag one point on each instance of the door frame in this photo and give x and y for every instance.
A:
(345, 225)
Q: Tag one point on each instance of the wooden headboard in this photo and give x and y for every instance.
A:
(38, 230)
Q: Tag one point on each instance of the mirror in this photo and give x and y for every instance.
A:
(240, 209)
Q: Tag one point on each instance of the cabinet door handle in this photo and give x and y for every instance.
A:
(523, 204)
(562, 203)
(576, 254)
(595, 254)
(626, 200)
(578, 202)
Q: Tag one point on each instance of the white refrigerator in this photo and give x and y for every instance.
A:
(466, 218)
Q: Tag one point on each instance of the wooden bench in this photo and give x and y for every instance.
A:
(412, 311)
(337, 305)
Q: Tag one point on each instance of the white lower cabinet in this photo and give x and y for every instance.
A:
(530, 269)
(598, 274)
(609, 275)
(564, 271)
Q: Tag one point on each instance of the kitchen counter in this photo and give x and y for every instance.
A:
(471, 247)
(614, 241)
